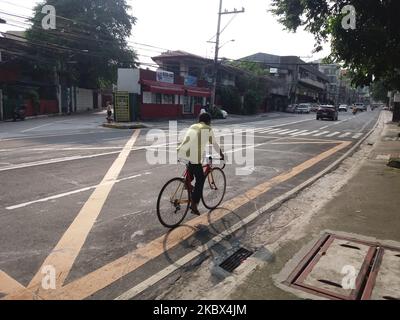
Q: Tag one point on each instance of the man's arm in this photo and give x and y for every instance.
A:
(216, 146)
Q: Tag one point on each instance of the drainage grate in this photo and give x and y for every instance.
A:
(322, 271)
(236, 259)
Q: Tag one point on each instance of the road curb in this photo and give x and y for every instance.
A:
(124, 126)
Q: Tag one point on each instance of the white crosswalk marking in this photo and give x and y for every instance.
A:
(357, 135)
(267, 130)
(298, 133)
(345, 135)
(321, 133)
(308, 133)
(282, 131)
(274, 131)
(291, 131)
(333, 134)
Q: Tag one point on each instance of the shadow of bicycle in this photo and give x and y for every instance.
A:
(187, 246)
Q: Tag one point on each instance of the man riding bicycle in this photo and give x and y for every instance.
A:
(192, 149)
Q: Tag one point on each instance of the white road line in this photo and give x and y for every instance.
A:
(345, 135)
(65, 194)
(289, 123)
(321, 133)
(298, 133)
(357, 135)
(333, 134)
(308, 133)
(57, 160)
(34, 128)
(322, 128)
(280, 131)
(291, 131)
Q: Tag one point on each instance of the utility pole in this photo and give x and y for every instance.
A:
(217, 47)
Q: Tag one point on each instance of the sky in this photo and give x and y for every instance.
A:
(188, 25)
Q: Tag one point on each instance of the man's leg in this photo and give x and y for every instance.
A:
(197, 171)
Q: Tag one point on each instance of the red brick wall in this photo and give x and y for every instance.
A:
(46, 107)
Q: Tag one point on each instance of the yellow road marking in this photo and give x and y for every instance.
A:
(9, 285)
(108, 274)
(65, 252)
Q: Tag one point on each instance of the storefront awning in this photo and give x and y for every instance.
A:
(199, 92)
(161, 87)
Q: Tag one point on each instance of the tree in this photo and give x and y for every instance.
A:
(89, 42)
(379, 92)
(369, 51)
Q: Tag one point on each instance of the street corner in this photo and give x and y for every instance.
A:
(119, 125)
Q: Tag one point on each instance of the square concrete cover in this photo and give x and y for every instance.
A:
(329, 268)
(387, 284)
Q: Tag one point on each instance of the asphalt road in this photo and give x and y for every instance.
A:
(77, 200)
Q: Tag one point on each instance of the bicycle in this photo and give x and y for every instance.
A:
(175, 196)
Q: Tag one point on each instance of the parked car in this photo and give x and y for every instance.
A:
(291, 108)
(314, 107)
(303, 108)
(327, 112)
(360, 106)
(343, 107)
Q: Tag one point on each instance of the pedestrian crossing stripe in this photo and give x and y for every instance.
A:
(333, 134)
(321, 133)
(345, 135)
(302, 133)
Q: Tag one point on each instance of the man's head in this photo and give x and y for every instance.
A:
(206, 118)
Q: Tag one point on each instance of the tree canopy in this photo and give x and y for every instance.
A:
(370, 51)
(89, 42)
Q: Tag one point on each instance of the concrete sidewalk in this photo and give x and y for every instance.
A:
(368, 204)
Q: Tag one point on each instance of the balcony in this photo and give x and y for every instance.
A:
(313, 83)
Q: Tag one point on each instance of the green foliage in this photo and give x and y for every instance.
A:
(370, 50)
(252, 101)
(89, 42)
(379, 91)
(215, 113)
(230, 99)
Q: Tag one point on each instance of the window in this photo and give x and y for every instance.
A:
(168, 99)
(156, 98)
(198, 100)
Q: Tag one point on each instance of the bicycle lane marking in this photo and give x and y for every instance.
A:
(67, 249)
(113, 271)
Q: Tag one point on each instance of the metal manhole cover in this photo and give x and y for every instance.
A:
(349, 269)
(235, 260)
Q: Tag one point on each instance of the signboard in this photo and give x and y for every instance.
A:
(165, 76)
(121, 107)
(128, 80)
(191, 81)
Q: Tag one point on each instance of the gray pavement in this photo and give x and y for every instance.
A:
(50, 169)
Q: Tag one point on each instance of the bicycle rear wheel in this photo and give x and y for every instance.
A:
(173, 203)
(214, 188)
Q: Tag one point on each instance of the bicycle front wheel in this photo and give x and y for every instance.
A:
(214, 188)
(173, 203)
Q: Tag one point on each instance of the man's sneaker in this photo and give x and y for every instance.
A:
(195, 211)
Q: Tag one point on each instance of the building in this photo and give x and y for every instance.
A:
(300, 81)
(22, 81)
